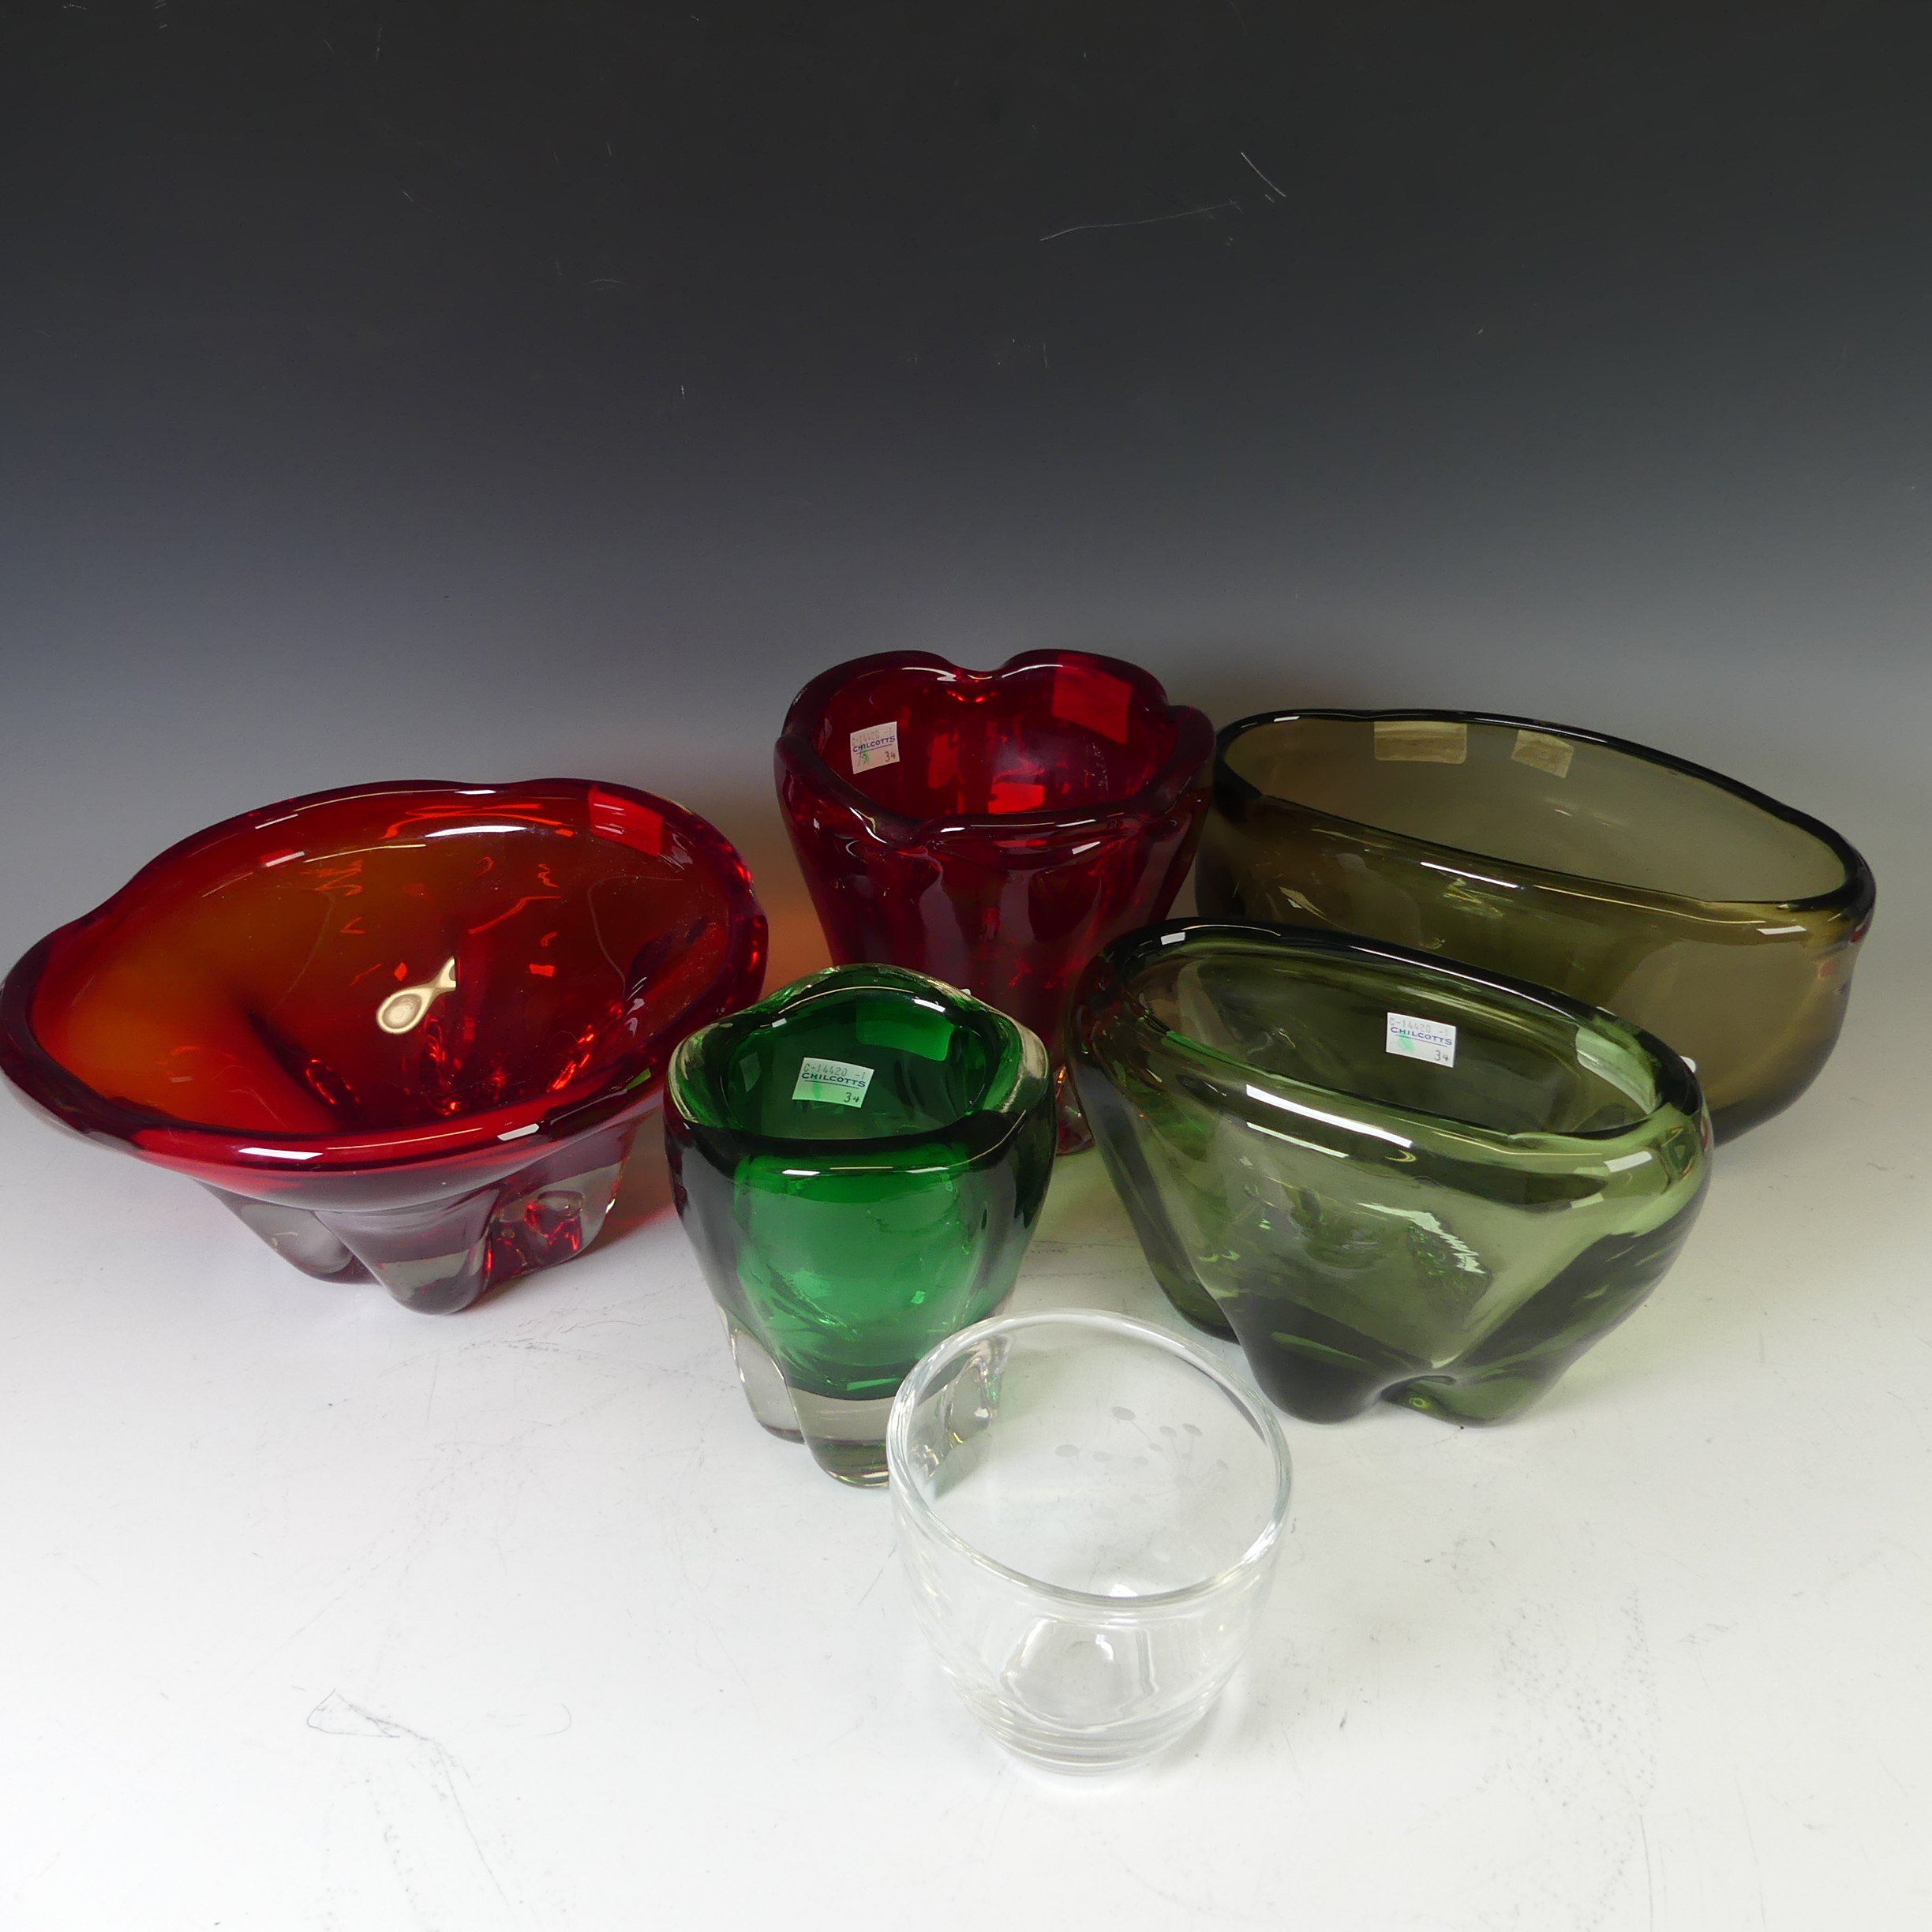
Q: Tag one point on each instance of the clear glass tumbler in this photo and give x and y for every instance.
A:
(1088, 1508)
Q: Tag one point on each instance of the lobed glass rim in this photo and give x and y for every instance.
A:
(909, 1496)
(629, 1089)
(1029, 1064)
(1855, 896)
(1680, 1090)
(1193, 750)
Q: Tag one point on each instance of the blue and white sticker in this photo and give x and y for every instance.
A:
(1421, 1039)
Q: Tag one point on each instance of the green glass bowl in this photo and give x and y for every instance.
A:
(1387, 1176)
(1720, 920)
(859, 1160)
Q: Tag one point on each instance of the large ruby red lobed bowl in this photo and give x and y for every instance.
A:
(405, 1031)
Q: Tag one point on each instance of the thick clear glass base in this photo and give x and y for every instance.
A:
(764, 1387)
(1083, 1750)
(438, 1257)
(847, 1439)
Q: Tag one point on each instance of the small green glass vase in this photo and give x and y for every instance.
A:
(1389, 1177)
(860, 1161)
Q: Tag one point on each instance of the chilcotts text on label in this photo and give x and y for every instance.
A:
(878, 744)
(1421, 1039)
(838, 1081)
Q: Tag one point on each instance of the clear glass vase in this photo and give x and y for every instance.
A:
(860, 1162)
(1713, 916)
(1387, 1176)
(1088, 1512)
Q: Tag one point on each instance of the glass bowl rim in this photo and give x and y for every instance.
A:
(527, 1127)
(1031, 1068)
(1854, 898)
(1193, 750)
(907, 1495)
(1679, 1088)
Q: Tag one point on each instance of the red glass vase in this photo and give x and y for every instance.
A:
(404, 1031)
(993, 829)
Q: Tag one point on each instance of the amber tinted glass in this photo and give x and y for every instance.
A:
(1713, 916)
(1539, 798)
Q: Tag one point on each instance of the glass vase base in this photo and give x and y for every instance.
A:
(1323, 1370)
(1038, 1721)
(439, 1257)
(1332, 1391)
(764, 1388)
(847, 1439)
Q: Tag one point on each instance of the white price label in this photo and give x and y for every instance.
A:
(1543, 752)
(837, 1081)
(1421, 1039)
(878, 744)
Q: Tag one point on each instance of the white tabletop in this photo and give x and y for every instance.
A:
(322, 1614)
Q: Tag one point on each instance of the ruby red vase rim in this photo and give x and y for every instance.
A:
(532, 1125)
(1678, 1086)
(1855, 897)
(1193, 746)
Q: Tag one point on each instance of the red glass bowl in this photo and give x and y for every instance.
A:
(404, 1031)
(993, 828)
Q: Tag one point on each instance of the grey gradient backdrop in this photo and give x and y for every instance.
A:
(489, 390)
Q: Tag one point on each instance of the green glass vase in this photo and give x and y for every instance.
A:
(1388, 1177)
(860, 1161)
(1722, 921)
